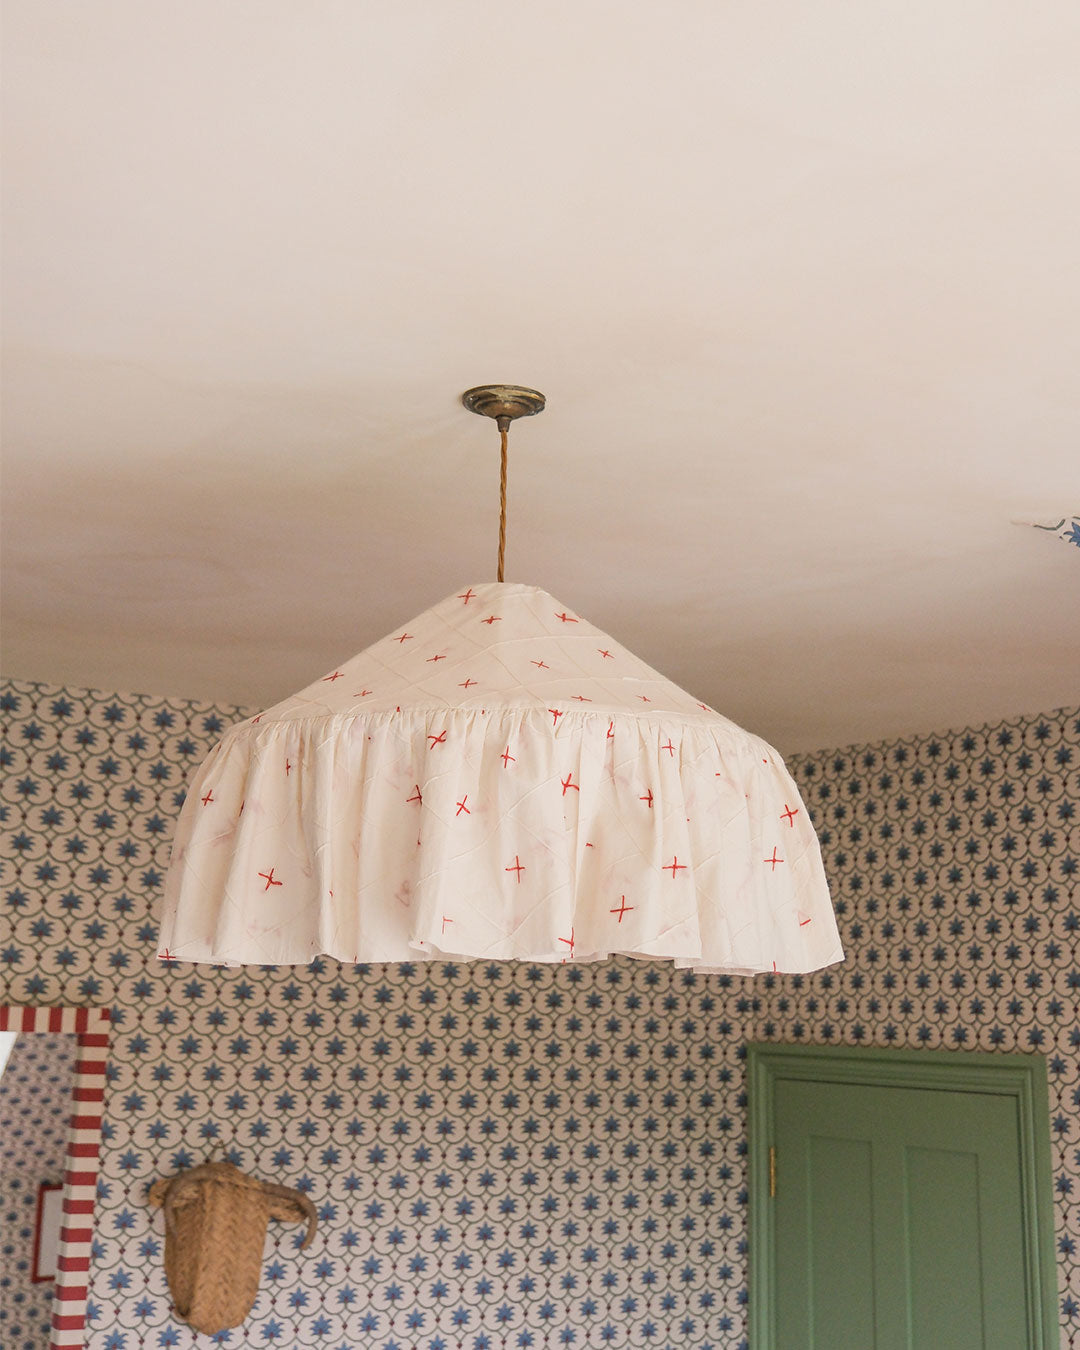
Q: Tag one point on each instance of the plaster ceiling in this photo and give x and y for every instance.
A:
(799, 281)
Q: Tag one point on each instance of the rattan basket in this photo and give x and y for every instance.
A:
(215, 1228)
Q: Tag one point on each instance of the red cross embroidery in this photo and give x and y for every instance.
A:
(507, 758)
(437, 740)
(647, 799)
(774, 859)
(268, 877)
(674, 866)
(362, 694)
(208, 798)
(624, 908)
(804, 919)
(256, 719)
(704, 707)
(445, 922)
(466, 683)
(417, 796)
(405, 637)
(288, 768)
(669, 748)
(492, 618)
(602, 652)
(517, 867)
(567, 784)
(470, 594)
(337, 675)
(570, 940)
(462, 807)
(611, 731)
(540, 665)
(164, 956)
(566, 618)
(441, 656)
(580, 698)
(555, 715)
(789, 815)
(644, 698)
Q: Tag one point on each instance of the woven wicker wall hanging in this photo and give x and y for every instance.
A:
(215, 1227)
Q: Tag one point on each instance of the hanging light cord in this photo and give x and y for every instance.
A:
(503, 433)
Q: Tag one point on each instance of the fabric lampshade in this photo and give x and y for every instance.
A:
(497, 780)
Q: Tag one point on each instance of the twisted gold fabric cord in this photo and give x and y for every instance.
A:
(502, 506)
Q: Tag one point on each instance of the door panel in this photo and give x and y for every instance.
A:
(898, 1222)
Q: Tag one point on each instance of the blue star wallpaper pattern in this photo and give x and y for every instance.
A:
(35, 1102)
(512, 1155)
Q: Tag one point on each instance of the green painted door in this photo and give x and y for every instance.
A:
(898, 1219)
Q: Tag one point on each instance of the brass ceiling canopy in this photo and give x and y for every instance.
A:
(504, 402)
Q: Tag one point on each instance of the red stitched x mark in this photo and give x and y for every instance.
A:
(507, 758)
(566, 618)
(405, 637)
(605, 653)
(644, 698)
(647, 799)
(466, 683)
(208, 798)
(789, 815)
(674, 866)
(540, 665)
(288, 768)
(445, 922)
(774, 859)
(256, 719)
(440, 657)
(555, 715)
(462, 807)
(580, 698)
(567, 784)
(164, 956)
(417, 796)
(437, 740)
(570, 940)
(517, 867)
(268, 877)
(337, 675)
(669, 748)
(492, 618)
(610, 730)
(362, 694)
(624, 908)
(470, 594)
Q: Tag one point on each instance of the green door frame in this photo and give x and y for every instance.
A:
(1019, 1076)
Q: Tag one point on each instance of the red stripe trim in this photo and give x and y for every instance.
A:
(75, 1263)
(69, 1293)
(70, 1322)
(29, 1019)
(79, 1206)
(88, 1094)
(80, 1178)
(84, 1067)
(76, 1234)
(82, 1150)
(94, 1038)
(56, 1019)
(85, 1122)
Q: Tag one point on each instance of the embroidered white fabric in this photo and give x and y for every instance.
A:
(497, 780)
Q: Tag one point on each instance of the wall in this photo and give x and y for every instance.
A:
(35, 1107)
(508, 1155)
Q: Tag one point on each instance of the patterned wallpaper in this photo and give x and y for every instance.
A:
(520, 1156)
(35, 1106)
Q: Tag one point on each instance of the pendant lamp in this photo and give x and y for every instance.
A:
(497, 779)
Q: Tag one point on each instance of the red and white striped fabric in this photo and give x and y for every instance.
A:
(81, 1168)
(497, 780)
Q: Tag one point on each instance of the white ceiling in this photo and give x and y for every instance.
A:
(800, 282)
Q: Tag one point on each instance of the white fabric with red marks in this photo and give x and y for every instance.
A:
(496, 780)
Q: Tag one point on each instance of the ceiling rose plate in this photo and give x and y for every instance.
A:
(503, 401)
